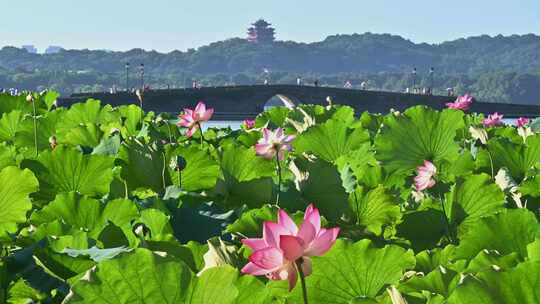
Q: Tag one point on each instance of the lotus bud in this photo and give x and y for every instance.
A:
(52, 142)
(139, 94)
(30, 98)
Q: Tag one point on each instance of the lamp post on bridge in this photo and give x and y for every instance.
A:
(127, 76)
(431, 80)
(414, 80)
(141, 74)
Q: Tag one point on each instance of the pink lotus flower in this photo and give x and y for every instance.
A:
(522, 122)
(462, 103)
(284, 244)
(492, 120)
(274, 142)
(424, 178)
(248, 124)
(192, 119)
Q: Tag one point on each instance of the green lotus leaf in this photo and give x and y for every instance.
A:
(16, 187)
(108, 146)
(65, 170)
(21, 292)
(339, 277)
(10, 123)
(350, 271)
(440, 281)
(472, 198)
(422, 228)
(506, 232)
(79, 212)
(85, 113)
(87, 135)
(514, 286)
(324, 188)
(491, 259)
(144, 277)
(274, 115)
(250, 222)
(418, 134)
(131, 115)
(10, 103)
(201, 171)
(374, 208)
(363, 165)
(46, 127)
(8, 156)
(330, 140)
(246, 177)
(143, 166)
(251, 291)
(517, 158)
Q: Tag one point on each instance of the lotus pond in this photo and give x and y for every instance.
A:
(314, 204)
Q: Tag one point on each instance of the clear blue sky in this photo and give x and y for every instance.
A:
(165, 25)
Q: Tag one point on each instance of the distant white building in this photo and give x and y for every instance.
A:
(53, 49)
(30, 48)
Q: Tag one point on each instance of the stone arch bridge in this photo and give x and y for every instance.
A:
(240, 102)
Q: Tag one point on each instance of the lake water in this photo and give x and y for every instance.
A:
(235, 124)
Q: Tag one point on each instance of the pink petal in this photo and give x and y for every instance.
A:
(271, 233)
(269, 258)
(306, 266)
(200, 108)
(278, 133)
(267, 134)
(289, 139)
(307, 232)
(207, 115)
(281, 154)
(255, 244)
(323, 242)
(265, 150)
(285, 220)
(293, 278)
(312, 215)
(291, 246)
(253, 269)
(191, 131)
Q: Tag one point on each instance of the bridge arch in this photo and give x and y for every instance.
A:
(279, 100)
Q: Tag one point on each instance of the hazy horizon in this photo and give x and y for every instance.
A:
(167, 25)
(42, 49)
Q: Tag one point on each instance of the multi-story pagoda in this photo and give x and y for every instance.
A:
(261, 32)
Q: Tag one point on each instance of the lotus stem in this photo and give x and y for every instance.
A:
(201, 132)
(278, 169)
(491, 163)
(356, 204)
(170, 133)
(179, 177)
(163, 171)
(302, 280)
(35, 127)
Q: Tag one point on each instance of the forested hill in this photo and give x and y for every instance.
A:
(461, 63)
